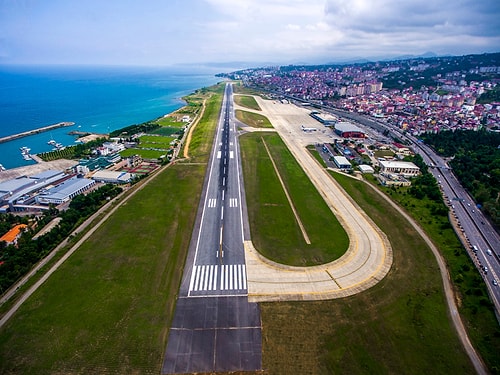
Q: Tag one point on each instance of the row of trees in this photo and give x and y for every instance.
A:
(475, 162)
(79, 151)
(16, 261)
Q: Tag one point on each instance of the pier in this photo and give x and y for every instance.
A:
(35, 131)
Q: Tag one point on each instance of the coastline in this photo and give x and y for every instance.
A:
(36, 131)
(42, 166)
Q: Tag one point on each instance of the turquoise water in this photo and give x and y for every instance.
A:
(96, 99)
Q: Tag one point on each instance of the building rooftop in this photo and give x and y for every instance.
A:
(67, 187)
(15, 184)
(12, 234)
(47, 174)
(346, 126)
(342, 160)
(397, 164)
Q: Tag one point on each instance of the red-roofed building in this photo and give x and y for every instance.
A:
(13, 235)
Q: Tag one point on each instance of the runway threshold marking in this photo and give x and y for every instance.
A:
(207, 277)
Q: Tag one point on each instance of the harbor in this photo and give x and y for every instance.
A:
(35, 131)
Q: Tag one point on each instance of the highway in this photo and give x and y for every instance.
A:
(471, 222)
(215, 328)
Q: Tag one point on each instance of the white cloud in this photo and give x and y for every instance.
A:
(281, 31)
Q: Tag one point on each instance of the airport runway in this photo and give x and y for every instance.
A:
(215, 328)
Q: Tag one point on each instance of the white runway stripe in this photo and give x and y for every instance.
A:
(233, 202)
(212, 202)
(206, 277)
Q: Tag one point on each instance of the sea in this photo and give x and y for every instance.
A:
(97, 99)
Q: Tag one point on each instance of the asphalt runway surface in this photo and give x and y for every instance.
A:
(215, 328)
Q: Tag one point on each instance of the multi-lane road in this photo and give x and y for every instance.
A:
(215, 328)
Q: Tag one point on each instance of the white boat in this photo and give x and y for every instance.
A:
(25, 152)
(59, 146)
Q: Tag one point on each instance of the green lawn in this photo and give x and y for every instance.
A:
(155, 139)
(170, 121)
(253, 119)
(167, 131)
(247, 101)
(400, 326)
(383, 154)
(275, 232)
(145, 154)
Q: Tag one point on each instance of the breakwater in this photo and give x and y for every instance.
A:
(35, 131)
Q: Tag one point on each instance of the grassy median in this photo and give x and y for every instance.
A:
(253, 119)
(109, 307)
(247, 101)
(275, 231)
(400, 326)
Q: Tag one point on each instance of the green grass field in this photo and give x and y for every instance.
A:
(384, 154)
(170, 121)
(253, 119)
(107, 310)
(167, 131)
(155, 139)
(145, 154)
(247, 101)
(400, 326)
(275, 232)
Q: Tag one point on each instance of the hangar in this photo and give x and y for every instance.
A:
(341, 162)
(348, 130)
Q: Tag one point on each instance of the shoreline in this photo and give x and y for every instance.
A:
(35, 131)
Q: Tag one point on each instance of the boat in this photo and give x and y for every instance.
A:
(51, 142)
(58, 146)
(25, 152)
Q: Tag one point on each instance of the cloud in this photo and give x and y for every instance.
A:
(413, 26)
(393, 16)
(280, 31)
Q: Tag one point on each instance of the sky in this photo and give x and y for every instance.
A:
(167, 32)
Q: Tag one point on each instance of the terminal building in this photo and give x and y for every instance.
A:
(325, 118)
(402, 168)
